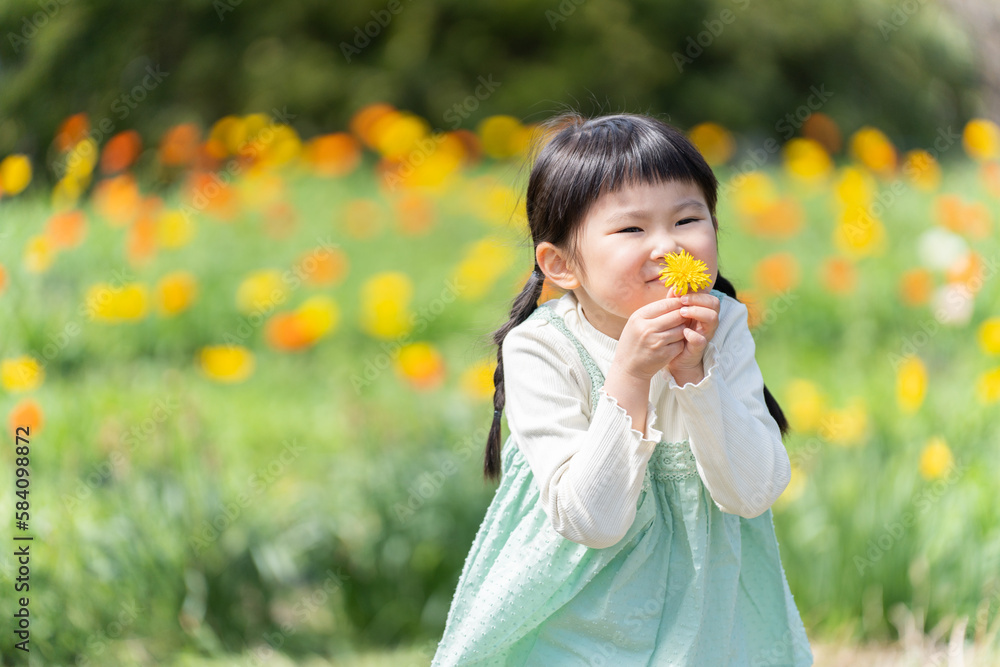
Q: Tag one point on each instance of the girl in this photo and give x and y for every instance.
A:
(632, 523)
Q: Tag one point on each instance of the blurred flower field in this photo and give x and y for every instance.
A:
(258, 378)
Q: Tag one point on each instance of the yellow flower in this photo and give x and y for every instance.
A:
(477, 380)
(226, 363)
(807, 160)
(714, 142)
(318, 316)
(21, 374)
(175, 292)
(988, 386)
(174, 229)
(684, 272)
(38, 254)
(806, 405)
(935, 459)
(502, 136)
(911, 384)
(981, 139)
(108, 303)
(15, 174)
(261, 290)
(874, 150)
(385, 305)
(989, 336)
(421, 364)
(482, 265)
(847, 426)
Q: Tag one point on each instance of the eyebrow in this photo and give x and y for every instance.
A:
(641, 214)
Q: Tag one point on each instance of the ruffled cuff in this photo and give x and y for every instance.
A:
(710, 361)
(651, 436)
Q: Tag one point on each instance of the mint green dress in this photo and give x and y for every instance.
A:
(687, 585)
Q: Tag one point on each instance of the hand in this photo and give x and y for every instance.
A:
(651, 338)
(701, 313)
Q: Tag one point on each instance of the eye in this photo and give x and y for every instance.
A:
(628, 229)
(687, 220)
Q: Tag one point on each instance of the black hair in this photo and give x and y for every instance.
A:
(580, 160)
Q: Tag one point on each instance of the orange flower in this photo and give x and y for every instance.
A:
(26, 413)
(421, 365)
(120, 151)
(780, 219)
(967, 271)
(922, 169)
(176, 292)
(839, 275)
(823, 129)
(971, 219)
(206, 192)
(713, 141)
(778, 273)
(118, 199)
(364, 120)
(140, 245)
(287, 332)
(66, 230)
(323, 266)
(874, 150)
(335, 154)
(179, 146)
(915, 287)
(72, 131)
(415, 214)
(755, 304)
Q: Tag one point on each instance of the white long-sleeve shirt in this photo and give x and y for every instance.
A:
(589, 464)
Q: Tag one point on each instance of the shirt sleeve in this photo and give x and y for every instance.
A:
(735, 441)
(589, 464)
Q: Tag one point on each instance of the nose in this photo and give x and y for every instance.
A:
(663, 245)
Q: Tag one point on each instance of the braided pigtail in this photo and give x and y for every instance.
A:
(727, 288)
(524, 305)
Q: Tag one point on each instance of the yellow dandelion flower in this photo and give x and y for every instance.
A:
(911, 384)
(935, 459)
(989, 336)
(988, 386)
(806, 405)
(15, 174)
(226, 363)
(21, 374)
(684, 272)
(477, 380)
(981, 139)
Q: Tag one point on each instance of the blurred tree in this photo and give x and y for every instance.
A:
(982, 19)
(745, 64)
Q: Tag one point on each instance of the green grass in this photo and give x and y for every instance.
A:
(156, 488)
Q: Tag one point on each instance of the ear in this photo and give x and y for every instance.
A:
(556, 266)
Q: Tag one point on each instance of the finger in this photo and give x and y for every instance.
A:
(703, 314)
(701, 299)
(658, 308)
(696, 342)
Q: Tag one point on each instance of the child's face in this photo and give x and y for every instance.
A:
(623, 240)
